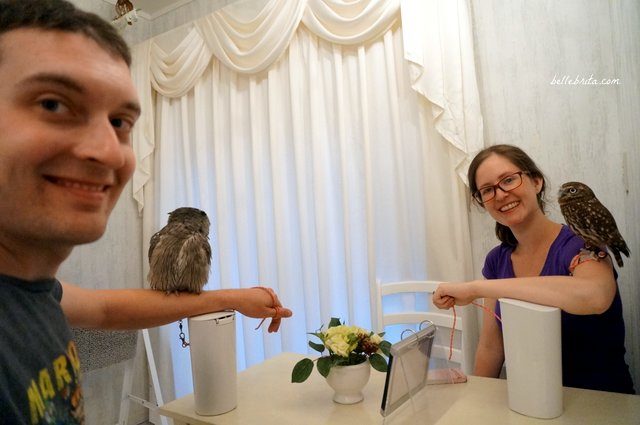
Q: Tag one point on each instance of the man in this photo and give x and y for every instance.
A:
(67, 107)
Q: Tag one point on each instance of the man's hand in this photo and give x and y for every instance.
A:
(262, 302)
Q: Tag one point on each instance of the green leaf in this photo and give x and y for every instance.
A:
(319, 335)
(378, 362)
(334, 322)
(318, 347)
(385, 346)
(381, 334)
(340, 361)
(351, 338)
(324, 366)
(302, 370)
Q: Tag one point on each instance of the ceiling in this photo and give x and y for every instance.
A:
(151, 9)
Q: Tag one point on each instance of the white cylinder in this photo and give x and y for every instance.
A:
(212, 339)
(533, 357)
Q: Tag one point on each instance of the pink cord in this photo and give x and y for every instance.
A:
(278, 312)
(488, 310)
(453, 327)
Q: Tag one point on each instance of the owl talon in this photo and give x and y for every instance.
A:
(594, 253)
(585, 255)
(589, 253)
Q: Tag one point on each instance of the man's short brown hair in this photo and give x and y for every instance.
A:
(60, 15)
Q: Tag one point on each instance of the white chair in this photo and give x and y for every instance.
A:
(127, 385)
(443, 319)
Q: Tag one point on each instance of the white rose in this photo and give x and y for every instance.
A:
(339, 346)
(337, 340)
(375, 338)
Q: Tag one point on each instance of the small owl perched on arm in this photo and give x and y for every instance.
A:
(179, 254)
(591, 220)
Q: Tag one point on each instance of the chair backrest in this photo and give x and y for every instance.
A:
(102, 348)
(99, 348)
(443, 319)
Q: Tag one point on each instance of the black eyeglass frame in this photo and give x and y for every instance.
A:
(478, 197)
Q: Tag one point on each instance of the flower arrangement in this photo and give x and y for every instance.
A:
(347, 345)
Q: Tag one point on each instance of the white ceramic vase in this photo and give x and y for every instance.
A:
(348, 382)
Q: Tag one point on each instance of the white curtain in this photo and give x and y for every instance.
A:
(326, 155)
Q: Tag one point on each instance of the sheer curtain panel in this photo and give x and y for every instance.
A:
(317, 152)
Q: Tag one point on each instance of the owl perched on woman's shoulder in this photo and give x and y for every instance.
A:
(180, 254)
(591, 220)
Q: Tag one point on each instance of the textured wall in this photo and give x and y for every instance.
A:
(574, 132)
(115, 261)
(144, 29)
(99, 7)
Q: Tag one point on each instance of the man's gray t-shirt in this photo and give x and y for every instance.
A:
(39, 364)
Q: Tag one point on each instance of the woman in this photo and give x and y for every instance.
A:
(541, 261)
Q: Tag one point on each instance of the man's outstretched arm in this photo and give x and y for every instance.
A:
(145, 308)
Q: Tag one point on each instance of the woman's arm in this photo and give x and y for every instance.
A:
(144, 308)
(590, 290)
(490, 351)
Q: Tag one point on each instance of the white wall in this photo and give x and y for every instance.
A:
(114, 261)
(144, 29)
(574, 132)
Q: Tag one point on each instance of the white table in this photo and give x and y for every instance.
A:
(266, 396)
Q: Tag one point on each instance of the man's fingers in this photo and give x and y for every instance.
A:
(275, 308)
(284, 312)
(274, 325)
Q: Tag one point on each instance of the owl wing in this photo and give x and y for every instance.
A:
(608, 231)
(193, 262)
(165, 271)
(153, 242)
(583, 219)
(602, 222)
(207, 249)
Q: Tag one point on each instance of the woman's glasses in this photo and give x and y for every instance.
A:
(507, 184)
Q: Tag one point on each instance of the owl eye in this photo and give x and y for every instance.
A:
(572, 190)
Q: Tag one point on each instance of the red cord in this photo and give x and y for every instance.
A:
(488, 310)
(278, 312)
(453, 327)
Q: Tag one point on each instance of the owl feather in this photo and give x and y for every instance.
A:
(591, 220)
(180, 254)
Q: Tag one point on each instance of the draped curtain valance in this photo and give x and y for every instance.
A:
(438, 45)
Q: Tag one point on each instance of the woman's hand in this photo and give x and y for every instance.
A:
(449, 294)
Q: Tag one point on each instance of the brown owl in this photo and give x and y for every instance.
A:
(591, 220)
(179, 254)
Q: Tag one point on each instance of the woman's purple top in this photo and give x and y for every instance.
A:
(592, 345)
